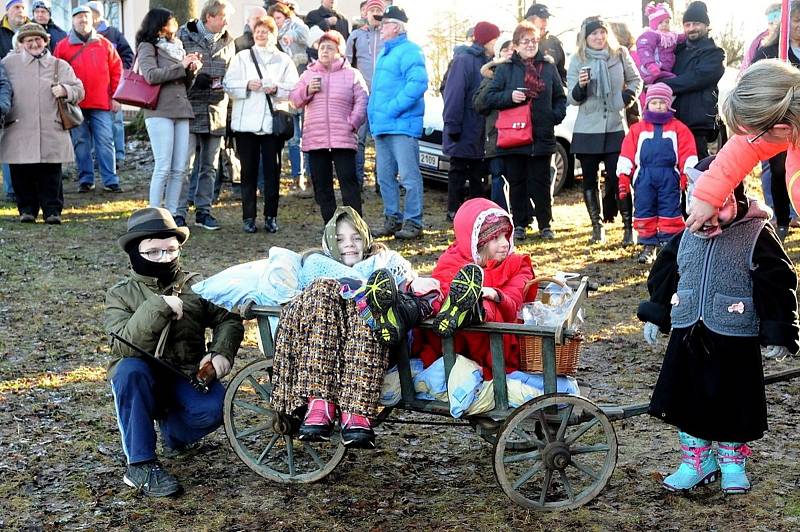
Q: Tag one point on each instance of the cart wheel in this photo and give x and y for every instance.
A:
(265, 439)
(488, 429)
(574, 453)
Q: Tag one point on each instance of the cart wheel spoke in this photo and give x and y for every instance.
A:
(263, 392)
(600, 448)
(575, 436)
(548, 477)
(314, 455)
(567, 486)
(290, 454)
(544, 425)
(585, 469)
(528, 438)
(528, 475)
(254, 408)
(562, 428)
(252, 430)
(268, 448)
(533, 455)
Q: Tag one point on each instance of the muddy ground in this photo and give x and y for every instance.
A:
(61, 462)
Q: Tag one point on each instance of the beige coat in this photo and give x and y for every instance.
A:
(162, 69)
(33, 132)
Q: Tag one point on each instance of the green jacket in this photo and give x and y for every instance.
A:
(136, 311)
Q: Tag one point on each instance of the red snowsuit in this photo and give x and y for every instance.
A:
(736, 159)
(655, 157)
(507, 277)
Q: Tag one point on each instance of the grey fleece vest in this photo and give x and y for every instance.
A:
(715, 284)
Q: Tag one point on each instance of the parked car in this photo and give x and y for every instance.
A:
(435, 165)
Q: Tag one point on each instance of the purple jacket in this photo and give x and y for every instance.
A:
(334, 114)
(655, 61)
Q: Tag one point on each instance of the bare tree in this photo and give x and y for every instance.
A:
(184, 10)
(448, 31)
(730, 40)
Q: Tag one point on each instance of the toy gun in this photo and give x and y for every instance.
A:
(200, 381)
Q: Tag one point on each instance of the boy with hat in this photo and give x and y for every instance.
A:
(655, 155)
(156, 309)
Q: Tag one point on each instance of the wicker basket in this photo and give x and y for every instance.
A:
(530, 347)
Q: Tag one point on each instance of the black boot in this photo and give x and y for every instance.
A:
(626, 210)
(591, 197)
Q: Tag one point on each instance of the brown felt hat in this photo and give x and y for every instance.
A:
(152, 221)
(32, 29)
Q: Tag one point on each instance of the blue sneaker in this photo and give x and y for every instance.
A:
(698, 467)
(206, 221)
(732, 458)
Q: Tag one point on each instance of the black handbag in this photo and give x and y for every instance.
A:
(282, 122)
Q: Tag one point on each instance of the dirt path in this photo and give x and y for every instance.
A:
(60, 457)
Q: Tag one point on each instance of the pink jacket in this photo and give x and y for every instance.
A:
(334, 114)
(656, 55)
(736, 159)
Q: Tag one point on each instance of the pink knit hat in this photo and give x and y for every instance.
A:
(375, 3)
(661, 91)
(656, 13)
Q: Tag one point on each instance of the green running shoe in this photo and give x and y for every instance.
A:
(381, 294)
(465, 292)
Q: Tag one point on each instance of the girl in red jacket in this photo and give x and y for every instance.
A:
(763, 109)
(482, 279)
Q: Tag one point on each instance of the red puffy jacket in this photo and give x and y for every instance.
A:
(507, 277)
(98, 66)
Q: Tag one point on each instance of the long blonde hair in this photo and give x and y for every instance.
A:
(612, 45)
(768, 93)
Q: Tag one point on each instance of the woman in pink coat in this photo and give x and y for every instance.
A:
(335, 97)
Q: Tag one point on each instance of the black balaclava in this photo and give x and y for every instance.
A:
(164, 271)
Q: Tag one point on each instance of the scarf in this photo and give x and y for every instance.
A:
(173, 48)
(329, 243)
(654, 117)
(164, 271)
(207, 35)
(533, 80)
(598, 60)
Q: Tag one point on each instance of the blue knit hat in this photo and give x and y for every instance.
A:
(10, 3)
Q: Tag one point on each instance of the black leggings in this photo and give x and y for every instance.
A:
(590, 165)
(529, 178)
(267, 149)
(780, 196)
(322, 163)
(38, 185)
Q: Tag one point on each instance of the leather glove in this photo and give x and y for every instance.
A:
(627, 97)
(778, 352)
(650, 333)
(202, 81)
(624, 187)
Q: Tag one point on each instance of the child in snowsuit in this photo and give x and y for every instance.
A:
(722, 297)
(655, 48)
(654, 156)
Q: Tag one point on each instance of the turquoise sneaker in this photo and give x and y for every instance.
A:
(698, 467)
(732, 458)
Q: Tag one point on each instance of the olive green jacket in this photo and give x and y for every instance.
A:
(136, 311)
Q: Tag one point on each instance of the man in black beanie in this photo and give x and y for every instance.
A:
(699, 65)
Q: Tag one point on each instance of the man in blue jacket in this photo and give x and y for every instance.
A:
(464, 136)
(395, 110)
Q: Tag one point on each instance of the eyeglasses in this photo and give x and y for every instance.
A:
(157, 254)
(754, 139)
(528, 42)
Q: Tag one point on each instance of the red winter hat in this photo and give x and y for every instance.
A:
(485, 32)
(375, 3)
(492, 227)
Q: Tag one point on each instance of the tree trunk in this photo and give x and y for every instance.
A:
(184, 10)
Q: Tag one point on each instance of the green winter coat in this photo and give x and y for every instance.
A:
(136, 311)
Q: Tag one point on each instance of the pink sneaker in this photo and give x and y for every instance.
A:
(318, 423)
(357, 432)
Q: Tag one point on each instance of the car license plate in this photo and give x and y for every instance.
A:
(426, 159)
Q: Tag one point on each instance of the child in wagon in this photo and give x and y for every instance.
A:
(721, 294)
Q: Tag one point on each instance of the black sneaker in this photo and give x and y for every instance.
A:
(465, 292)
(519, 233)
(85, 187)
(180, 221)
(381, 294)
(271, 224)
(249, 226)
(409, 231)
(547, 234)
(183, 451)
(116, 189)
(149, 479)
(206, 221)
(53, 219)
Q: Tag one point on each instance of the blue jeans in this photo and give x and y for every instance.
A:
(207, 163)
(296, 158)
(399, 152)
(119, 136)
(141, 396)
(96, 130)
(169, 140)
(363, 133)
(7, 188)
